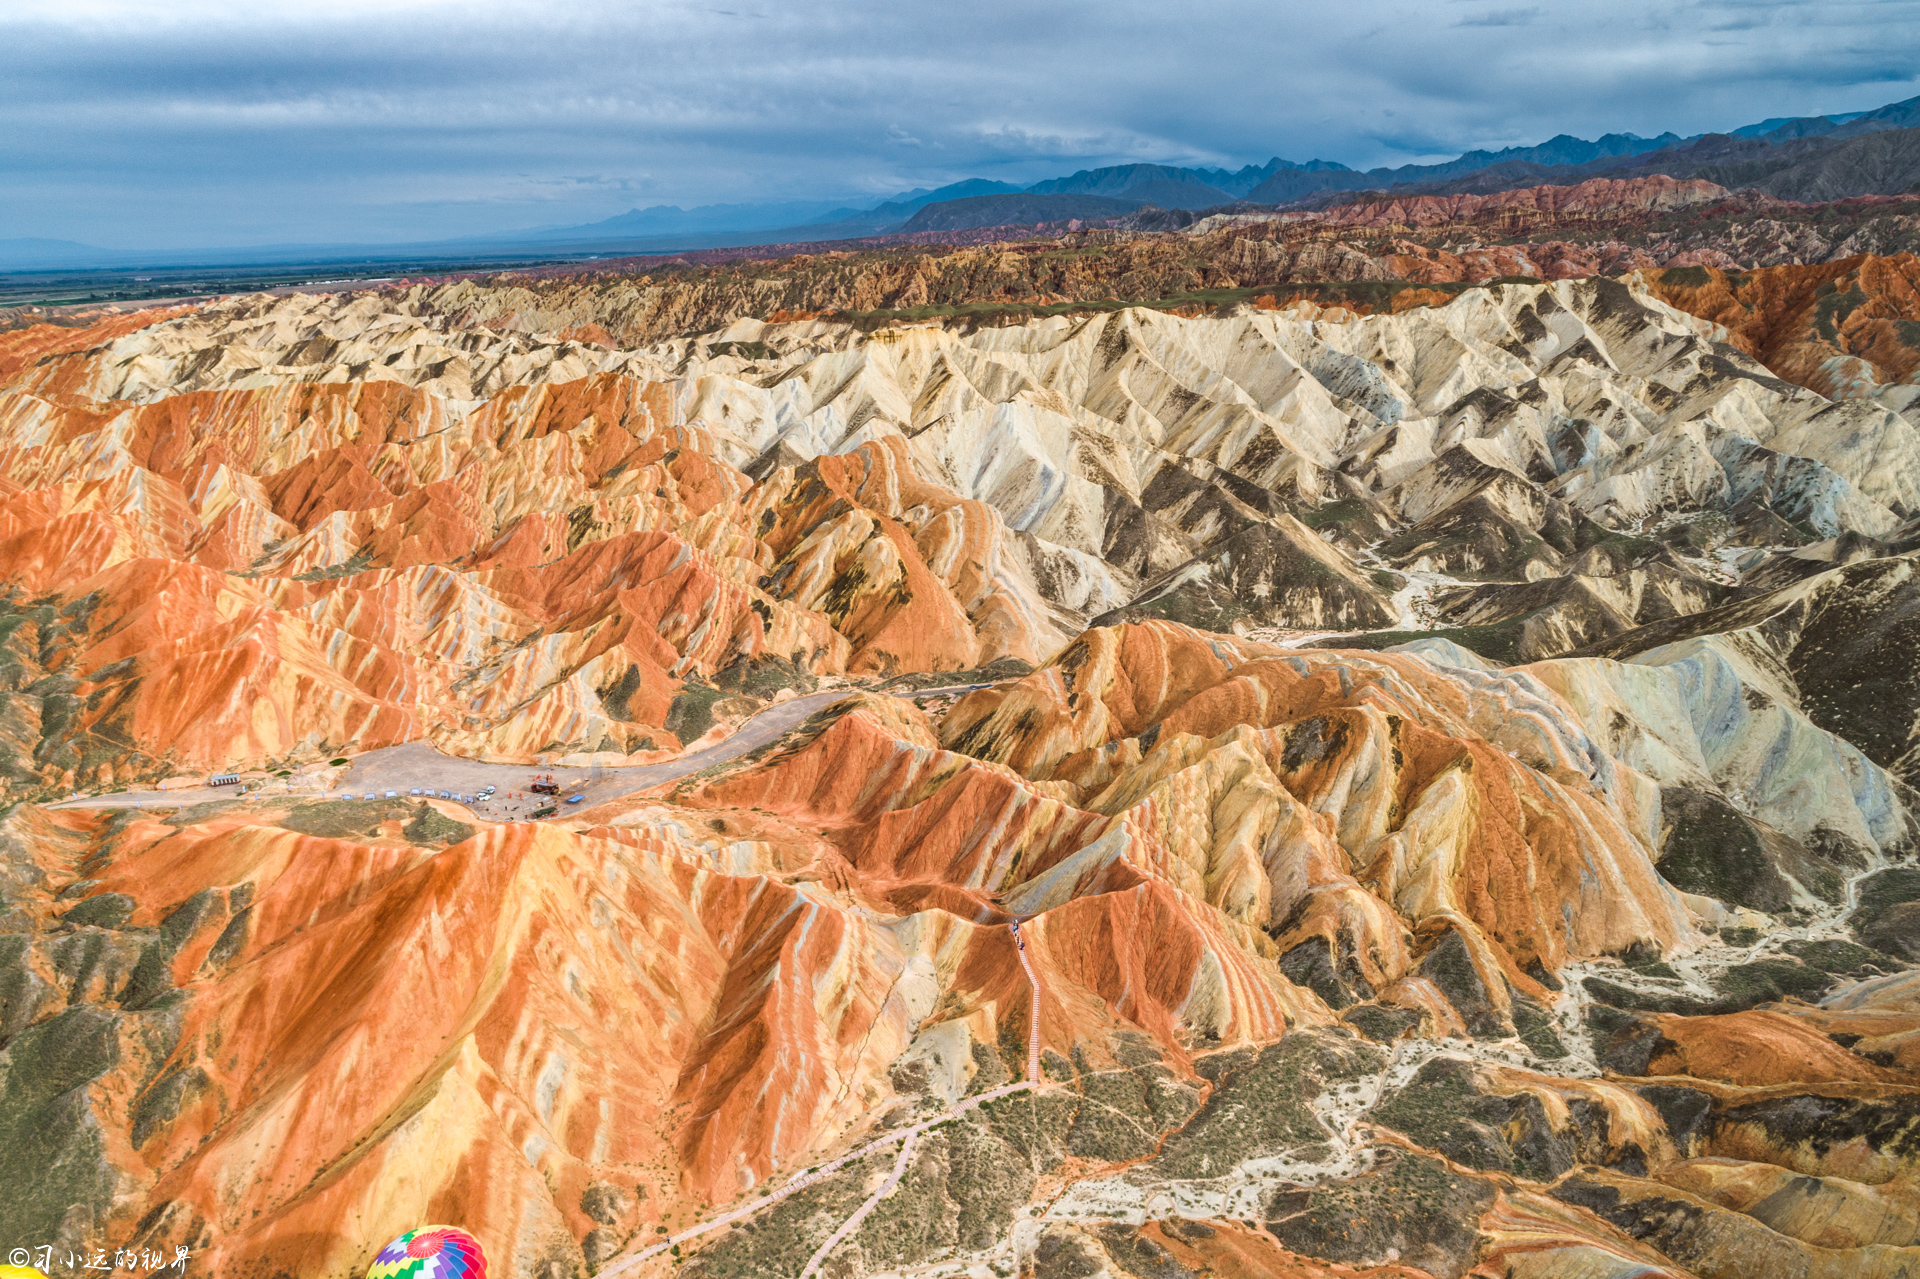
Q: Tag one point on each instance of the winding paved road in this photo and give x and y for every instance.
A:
(401, 768)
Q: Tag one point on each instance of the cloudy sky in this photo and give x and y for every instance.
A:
(232, 122)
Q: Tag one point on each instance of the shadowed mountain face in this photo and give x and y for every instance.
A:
(1831, 165)
(1452, 769)
(1002, 210)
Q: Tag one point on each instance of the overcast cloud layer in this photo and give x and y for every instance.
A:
(202, 123)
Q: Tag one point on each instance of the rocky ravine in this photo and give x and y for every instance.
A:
(1555, 914)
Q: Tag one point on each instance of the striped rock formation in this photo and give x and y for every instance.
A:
(1439, 803)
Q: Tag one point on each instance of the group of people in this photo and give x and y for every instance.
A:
(520, 799)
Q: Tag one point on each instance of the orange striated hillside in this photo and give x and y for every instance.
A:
(24, 346)
(262, 576)
(1600, 200)
(1244, 875)
(1844, 328)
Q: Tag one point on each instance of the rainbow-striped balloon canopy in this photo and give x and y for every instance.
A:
(431, 1252)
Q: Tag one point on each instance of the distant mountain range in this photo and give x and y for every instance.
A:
(1812, 158)
(667, 219)
(1776, 144)
(1808, 158)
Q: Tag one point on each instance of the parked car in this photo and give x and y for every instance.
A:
(414, 791)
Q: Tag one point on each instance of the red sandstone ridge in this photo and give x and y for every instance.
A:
(1167, 698)
(1843, 328)
(24, 346)
(1595, 200)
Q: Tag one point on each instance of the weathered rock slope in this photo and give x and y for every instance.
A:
(1451, 770)
(1844, 328)
(267, 530)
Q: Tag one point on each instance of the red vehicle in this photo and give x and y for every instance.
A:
(545, 788)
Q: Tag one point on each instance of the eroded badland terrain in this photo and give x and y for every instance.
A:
(1450, 758)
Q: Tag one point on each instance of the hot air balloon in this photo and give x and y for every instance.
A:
(10, 1271)
(431, 1252)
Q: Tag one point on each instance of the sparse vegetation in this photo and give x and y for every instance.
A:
(691, 713)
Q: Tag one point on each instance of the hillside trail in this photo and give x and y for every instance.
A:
(908, 1137)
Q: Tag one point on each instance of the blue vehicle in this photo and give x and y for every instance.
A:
(576, 799)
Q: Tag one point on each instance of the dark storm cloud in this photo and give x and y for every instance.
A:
(222, 123)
